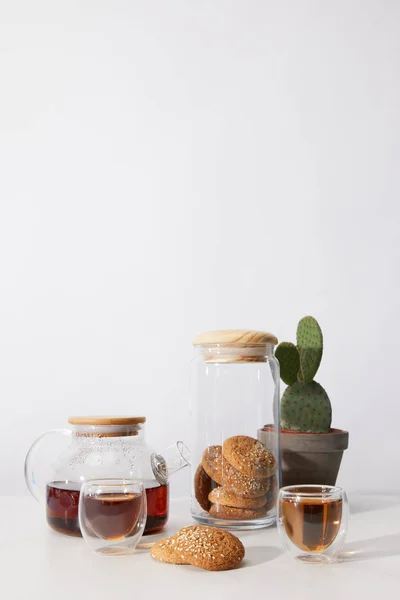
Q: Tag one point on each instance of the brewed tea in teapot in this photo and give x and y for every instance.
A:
(102, 447)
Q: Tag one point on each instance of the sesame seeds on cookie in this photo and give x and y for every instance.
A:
(249, 456)
(204, 547)
(165, 551)
(209, 548)
(243, 485)
(212, 463)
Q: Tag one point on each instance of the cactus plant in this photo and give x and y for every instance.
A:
(305, 406)
(310, 344)
(289, 361)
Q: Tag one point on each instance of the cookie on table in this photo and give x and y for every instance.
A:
(209, 548)
(164, 551)
(211, 462)
(203, 485)
(223, 496)
(204, 547)
(219, 511)
(249, 456)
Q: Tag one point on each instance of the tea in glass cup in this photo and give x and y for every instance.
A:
(112, 515)
(312, 521)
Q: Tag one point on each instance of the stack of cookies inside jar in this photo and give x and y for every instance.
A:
(236, 481)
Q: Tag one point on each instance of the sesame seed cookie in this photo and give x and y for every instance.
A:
(224, 474)
(164, 551)
(223, 496)
(242, 485)
(203, 484)
(249, 456)
(211, 462)
(219, 511)
(209, 548)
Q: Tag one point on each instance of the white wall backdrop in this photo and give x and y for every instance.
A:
(173, 167)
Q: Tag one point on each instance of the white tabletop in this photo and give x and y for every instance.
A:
(36, 563)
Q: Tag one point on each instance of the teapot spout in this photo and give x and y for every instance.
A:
(170, 461)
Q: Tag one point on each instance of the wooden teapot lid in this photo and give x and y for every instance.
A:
(235, 337)
(106, 420)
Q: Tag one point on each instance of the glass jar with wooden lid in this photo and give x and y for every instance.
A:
(235, 391)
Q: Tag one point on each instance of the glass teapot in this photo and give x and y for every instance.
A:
(100, 447)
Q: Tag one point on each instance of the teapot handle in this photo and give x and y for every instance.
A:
(31, 479)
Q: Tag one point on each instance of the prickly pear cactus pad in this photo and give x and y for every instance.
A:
(305, 407)
(289, 361)
(310, 345)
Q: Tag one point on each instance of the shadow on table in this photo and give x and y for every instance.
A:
(258, 555)
(387, 545)
(370, 503)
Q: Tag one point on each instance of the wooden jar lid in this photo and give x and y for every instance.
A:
(234, 345)
(235, 337)
(106, 420)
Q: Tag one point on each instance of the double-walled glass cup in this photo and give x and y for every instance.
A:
(112, 515)
(312, 521)
(236, 465)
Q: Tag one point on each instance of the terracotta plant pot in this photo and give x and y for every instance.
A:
(309, 457)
